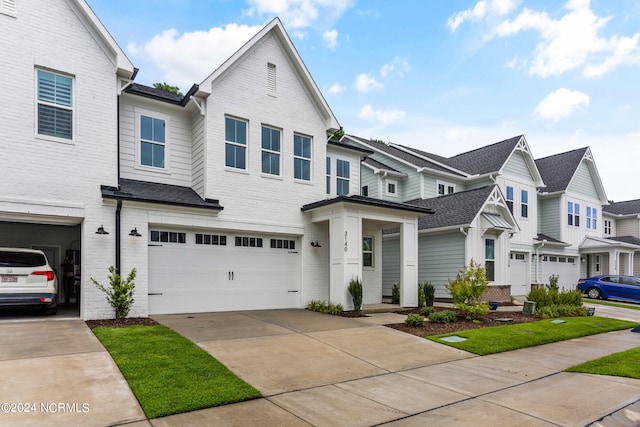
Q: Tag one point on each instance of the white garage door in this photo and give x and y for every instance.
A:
(199, 272)
(566, 268)
(519, 271)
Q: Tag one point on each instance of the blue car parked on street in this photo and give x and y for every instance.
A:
(611, 287)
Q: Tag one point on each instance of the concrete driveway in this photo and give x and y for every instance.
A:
(315, 369)
(56, 373)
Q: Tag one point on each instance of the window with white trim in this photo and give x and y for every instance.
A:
(367, 251)
(342, 180)
(607, 227)
(270, 151)
(283, 244)
(509, 198)
(392, 187)
(153, 139)
(592, 215)
(167, 236)
(490, 258)
(55, 104)
(328, 175)
(250, 242)
(235, 136)
(301, 157)
(524, 203)
(573, 214)
(211, 239)
(364, 191)
(445, 188)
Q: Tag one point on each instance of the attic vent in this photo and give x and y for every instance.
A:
(271, 79)
(8, 7)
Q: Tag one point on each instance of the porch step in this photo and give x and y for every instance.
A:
(380, 308)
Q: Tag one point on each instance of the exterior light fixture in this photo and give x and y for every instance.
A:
(316, 244)
(101, 230)
(134, 232)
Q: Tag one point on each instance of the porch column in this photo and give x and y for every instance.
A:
(346, 249)
(409, 264)
(614, 262)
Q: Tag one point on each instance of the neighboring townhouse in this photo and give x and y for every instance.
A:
(62, 74)
(229, 197)
(574, 240)
(621, 223)
(485, 209)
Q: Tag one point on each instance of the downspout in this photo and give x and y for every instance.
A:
(538, 261)
(118, 209)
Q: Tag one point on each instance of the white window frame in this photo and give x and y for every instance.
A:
(488, 260)
(328, 173)
(573, 214)
(302, 158)
(524, 205)
(139, 112)
(607, 227)
(391, 183)
(372, 252)
(54, 105)
(347, 178)
(271, 151)
(508, 199)
(592, 218)
(236, 144)
(447, 188)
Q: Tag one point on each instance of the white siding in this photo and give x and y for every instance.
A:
(549, 217)
(390, 264)
(582, 183)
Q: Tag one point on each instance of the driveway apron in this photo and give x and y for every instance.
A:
(315, 369)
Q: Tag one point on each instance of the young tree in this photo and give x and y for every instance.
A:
(168, 88)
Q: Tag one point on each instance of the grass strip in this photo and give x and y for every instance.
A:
(170, 374)
(612, 304)
(497, 339)
(623, 364)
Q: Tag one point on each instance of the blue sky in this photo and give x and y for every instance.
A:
(442, 76)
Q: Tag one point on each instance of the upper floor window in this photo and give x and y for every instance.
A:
(235, 135)
(524, 203)
(342, 182)
(328, 175)
(55, 105)
(302, 157)
(509, 199)
(152, 141)
(607, 227)
(444, 188)
(392, 187)
(573, 214)
(364, 191)
(592, 215)
(270, 151)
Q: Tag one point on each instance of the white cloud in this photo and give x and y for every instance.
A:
(366, 83)
(299, 13)
(399, 64)
(572, 41)
(382, 117)
(300, 35)
(331, 38)
(561, 104)
(482, 10)
(188, 58)
(336, 88)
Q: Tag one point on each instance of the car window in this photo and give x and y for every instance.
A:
(610, 279)
(21, 259)
(629, 281)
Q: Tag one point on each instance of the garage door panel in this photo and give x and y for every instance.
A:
(187, 278)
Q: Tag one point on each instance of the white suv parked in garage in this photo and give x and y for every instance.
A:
(27, 279)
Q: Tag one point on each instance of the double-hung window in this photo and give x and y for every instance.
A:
(55, 105)
(328, 175)
(342, 181)
(392, 187)
(270, 151)
(573, 214)
(524, 203)
(235, 135)
(152, 141)
(592, 214)
(367, 251)
(490, 258)
(302, 157)
(509, 198)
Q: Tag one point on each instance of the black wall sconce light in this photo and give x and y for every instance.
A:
(316, 244)
(101, 230)
(134, 232)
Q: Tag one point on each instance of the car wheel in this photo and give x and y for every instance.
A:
(594, 293)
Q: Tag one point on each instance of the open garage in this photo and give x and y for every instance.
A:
(59, 242)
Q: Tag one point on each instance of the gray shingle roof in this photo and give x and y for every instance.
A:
(480, 161)
(626, 239)
(367, 201)
(379, 165)
(349, 146)
(403, 155)
(549, 239)
(557, 170)
(455, 209)
(153, 192)
(161, 95)
(628, 207)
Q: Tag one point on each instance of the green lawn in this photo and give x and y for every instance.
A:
(623, 364)
(170, 374)
(612, 304)
(512, 337)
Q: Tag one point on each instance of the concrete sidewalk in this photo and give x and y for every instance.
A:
(323, 370)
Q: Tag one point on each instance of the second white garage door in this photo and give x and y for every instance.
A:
(193, 272)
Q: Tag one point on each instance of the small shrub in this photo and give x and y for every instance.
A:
(119, 292)
(547, 312)
(324, 307)
(395, 294)
(572, 297)
(427, 311)
(421, 300)
(355, 289)
(553, 282)
(445, 316)
(414, 319)
(429, 293)
(467, 290)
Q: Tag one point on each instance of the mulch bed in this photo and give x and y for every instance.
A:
(121, 323)
(461, 323)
